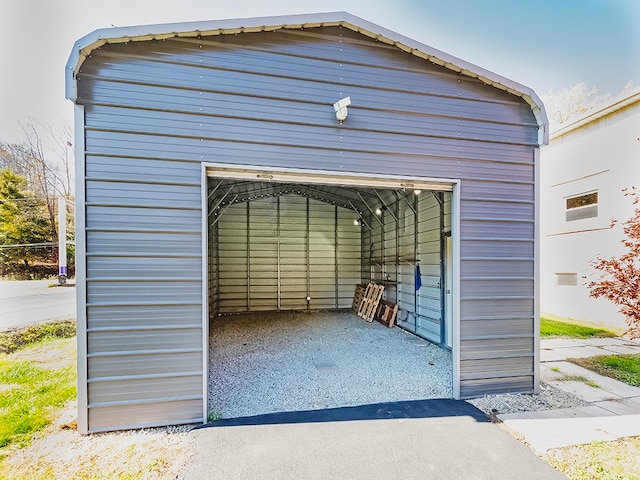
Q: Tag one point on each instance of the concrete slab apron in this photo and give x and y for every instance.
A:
(614, 407)
(572, 427)
(451, 447)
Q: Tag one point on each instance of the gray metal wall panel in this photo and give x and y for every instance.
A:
(232, 270)
(290, 255)
(124, 390)
(142, 316)
(406, 269)
(155, 239)
(430, 312)
(348, 256)
(123, 415)
(143, 365)
(129, 169)
(179, 102)
(212, 267)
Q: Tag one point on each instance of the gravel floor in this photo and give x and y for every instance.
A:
(271, 362)
(549, 398)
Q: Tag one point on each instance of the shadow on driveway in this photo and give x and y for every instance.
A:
(445, 407)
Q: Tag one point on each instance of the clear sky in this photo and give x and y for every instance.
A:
(543, 44)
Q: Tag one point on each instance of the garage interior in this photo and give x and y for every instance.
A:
(284, 260)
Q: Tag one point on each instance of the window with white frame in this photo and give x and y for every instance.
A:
(581, 206)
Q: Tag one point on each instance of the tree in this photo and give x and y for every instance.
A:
(48, 176)
(571, 102)
(619, 277)
(41, 170)
(23, 219)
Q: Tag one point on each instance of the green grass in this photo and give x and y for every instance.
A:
(213, 416)
(625, 368)
(33, 391)
(578, 378)
(553, 328)
(30, 393)
(17, 339)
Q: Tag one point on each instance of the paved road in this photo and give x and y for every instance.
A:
(26, 302)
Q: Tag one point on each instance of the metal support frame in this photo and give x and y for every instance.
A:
(384, 204)
(383, 258)
(248, 258)
(373, 214)
(212, 209)
(335, 255)
(213, 190)
(398, 284)
(439, 196)
(360, 216)
(415, 254)
(221, 212)
(279, 273)
(308, 261)
(217, 282)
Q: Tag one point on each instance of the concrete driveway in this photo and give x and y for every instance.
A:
(425, 439)
(26, 302)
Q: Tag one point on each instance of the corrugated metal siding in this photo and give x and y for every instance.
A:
(156, 109)
(297, 247)
(430, 313)
(419, 244)
(213, 263)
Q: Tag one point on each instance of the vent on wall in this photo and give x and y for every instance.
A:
(582, 206)
(569, 279)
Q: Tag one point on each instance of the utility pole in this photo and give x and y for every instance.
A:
(62, 241)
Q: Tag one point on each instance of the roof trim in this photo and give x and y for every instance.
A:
(618, 103)
(85, 45)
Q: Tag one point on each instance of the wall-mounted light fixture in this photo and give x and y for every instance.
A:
(341, 108)
(381, 209)
(417, 192)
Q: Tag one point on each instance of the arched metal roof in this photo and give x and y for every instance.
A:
(84, 46)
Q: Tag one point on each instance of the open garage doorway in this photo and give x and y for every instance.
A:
(285, 252)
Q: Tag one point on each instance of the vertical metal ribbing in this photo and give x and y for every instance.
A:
(308, 260)
(398, 287)
(279, 293)
(383, 256)
(217, 279)
(415, 256)
(443, 283)
(248, 259)
(335, 255)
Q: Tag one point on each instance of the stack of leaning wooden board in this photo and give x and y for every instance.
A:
(368, 304)
(387, 313)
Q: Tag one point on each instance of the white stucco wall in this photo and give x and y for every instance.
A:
(603, 156)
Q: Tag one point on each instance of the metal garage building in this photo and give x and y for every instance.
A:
(216, 175)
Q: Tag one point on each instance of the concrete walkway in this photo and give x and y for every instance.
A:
(612, 410)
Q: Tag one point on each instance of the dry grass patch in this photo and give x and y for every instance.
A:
(616, 460)
(157, 453)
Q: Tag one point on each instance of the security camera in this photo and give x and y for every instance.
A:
(341, 108)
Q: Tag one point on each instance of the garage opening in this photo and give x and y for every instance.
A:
(285, 254)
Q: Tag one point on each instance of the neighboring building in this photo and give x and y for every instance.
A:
(272, 164)
(584, 170)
